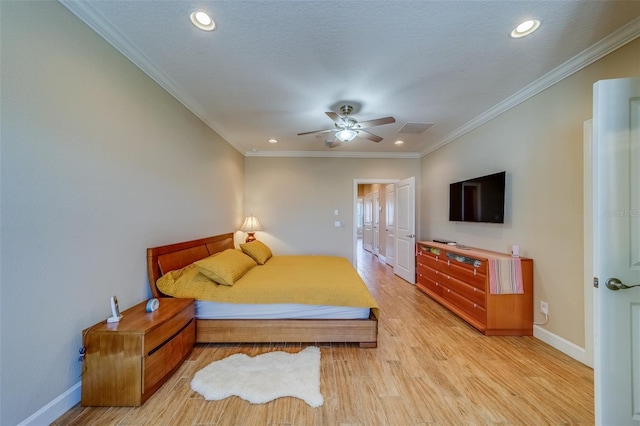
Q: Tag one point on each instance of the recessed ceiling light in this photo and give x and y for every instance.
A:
(525, 28)
(273, 141)
(202, 20)
(398, 142)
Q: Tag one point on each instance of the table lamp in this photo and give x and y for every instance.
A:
(250, 226)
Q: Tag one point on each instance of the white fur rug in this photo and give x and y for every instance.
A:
(263, 378)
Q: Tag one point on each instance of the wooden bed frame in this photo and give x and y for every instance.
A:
(175, 256)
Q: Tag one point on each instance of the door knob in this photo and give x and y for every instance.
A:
(616, 284)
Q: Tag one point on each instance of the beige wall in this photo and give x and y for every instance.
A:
(539, 144)
(98, 163)
(295, 199)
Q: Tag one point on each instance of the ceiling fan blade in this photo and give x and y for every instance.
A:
(316, 131)
(335, 143)
(335, 117)
(370, 136)
(376, 122)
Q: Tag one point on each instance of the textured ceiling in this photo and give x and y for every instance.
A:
(272, 68)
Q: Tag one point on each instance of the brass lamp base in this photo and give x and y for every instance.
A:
(250, 237)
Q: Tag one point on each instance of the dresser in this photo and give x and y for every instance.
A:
(458, 278)
(127, 361)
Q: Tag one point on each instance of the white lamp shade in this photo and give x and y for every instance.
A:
(251, 224)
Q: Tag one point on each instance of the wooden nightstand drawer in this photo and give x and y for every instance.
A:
(172, 325)
(167, 356)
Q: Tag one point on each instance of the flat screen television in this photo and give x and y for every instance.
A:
(478, 200)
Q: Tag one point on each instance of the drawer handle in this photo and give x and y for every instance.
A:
(475, 305)
(448, 291)
(475, 289)
(448, 262)
(474, 272)
(448, 277)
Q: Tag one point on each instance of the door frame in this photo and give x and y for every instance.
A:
(390, 255)
(354, 238)
(588, 243)
(376, 223)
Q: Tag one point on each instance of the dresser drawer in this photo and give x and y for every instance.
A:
(422, 266)
(427, 284)
(429, 260)
(467, 273)
(474, 294)
(466, 306)
(427, 271)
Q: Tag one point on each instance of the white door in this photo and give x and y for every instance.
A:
(616, 252)
(390, 224)
(367, 224)
(376, 223)
(405, 266)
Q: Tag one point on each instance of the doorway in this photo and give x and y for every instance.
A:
(374, 238)
(383, 217)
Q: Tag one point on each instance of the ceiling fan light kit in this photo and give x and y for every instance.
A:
(347, 127)
(346, 135)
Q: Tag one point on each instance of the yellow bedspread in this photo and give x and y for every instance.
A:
(309, 280)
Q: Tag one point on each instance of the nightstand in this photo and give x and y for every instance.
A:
(127, 361)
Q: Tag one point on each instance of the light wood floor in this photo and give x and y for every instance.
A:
(429, 368)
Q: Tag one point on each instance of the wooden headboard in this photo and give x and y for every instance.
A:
(161, 260)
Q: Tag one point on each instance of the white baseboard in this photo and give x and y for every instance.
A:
(563, 345)
(50, 412)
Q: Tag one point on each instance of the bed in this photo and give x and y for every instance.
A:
(171, 260)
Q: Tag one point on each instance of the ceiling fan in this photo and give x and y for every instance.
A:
(347, 127)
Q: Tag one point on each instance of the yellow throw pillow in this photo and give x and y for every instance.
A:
(227, 267)
(257, 250)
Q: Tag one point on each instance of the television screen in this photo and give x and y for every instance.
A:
(478, 200)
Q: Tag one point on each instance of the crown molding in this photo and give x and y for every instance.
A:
(333, 154)
(615, 40)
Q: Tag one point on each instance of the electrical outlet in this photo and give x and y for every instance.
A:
(544, 307)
